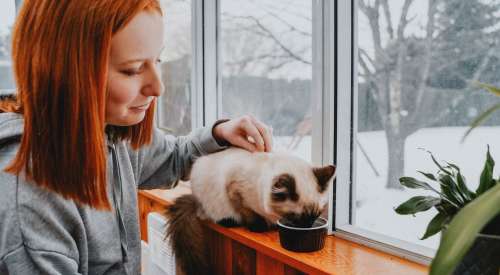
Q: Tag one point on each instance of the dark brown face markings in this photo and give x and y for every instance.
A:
(305, 218)
(323, 175)
(284, 188)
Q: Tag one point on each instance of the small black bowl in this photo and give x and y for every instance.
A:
(303, 239)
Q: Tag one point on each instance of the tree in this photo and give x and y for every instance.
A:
(406, 74)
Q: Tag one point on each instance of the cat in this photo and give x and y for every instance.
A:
(236, 187)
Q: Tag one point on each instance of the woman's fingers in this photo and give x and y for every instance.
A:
(266, 134)
(244, 143)
(251, 130)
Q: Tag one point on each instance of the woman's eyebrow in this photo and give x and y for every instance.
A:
(132, 61)
(140, 59)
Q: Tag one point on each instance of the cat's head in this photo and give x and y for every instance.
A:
(299, 192)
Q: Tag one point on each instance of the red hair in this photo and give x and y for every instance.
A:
(60, 54)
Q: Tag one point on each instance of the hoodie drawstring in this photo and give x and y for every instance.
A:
(118, 201)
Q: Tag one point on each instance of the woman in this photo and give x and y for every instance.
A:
(79, 140)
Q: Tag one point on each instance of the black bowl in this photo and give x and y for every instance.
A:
(303, 239)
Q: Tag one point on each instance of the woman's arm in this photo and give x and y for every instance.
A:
(169, 158)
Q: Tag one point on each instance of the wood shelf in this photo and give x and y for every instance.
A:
(239, 248)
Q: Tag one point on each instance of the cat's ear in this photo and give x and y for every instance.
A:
(284, 188)
(323, 175)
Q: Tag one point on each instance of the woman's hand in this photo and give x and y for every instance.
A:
(246, 132)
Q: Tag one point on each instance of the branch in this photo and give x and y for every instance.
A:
(364, 65)
(427, 57)
(403, 22)
(272, 36)
(387, 14)
(282, 10)
(482, 66)
(367, 56)
(292, 27)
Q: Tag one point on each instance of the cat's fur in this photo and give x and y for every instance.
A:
(236, 187)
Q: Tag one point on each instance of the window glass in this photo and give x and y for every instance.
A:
(174, 108)
(266, 58)
(417, 65)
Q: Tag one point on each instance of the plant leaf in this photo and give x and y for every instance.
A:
(428, 175)
(480, 119)
(436, 224)
(414, 183)
(450, 189)
(490, 88)
(417, 204)
(462, 187)
(463, 230)
(453, 166)
(439, 165)
(447, 208)
(486, 180)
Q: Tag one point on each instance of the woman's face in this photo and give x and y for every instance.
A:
(134, 69)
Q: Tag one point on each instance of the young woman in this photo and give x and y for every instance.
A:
(78, 140)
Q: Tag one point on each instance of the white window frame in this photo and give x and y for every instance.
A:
(322, 87)
(346, 122)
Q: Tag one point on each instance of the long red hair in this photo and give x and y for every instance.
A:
(60, 57)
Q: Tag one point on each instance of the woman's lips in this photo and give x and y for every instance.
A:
(141, 107)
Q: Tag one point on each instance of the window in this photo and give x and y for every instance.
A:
(414, 64)
(362, 83)
(7, 15)
(265, 68)
(174, 106)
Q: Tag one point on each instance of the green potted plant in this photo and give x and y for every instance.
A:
(464, 233)
(451, 197)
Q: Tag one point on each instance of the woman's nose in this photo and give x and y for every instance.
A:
(155, 86)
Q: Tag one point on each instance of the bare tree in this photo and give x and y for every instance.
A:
(399, 71)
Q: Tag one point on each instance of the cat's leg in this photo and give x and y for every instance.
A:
(256, 223)
(228, 222)
(249, 218)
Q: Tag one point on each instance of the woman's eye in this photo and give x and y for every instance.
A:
(131, 72)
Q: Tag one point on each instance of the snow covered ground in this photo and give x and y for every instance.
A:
(375, 203)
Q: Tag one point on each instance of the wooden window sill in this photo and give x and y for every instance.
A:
(339, 256)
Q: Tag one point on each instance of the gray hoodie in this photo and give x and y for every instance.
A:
(43, 233)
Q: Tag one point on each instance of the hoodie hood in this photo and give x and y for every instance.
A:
(11, 127)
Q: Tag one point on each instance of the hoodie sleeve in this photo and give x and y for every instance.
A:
(168, 159)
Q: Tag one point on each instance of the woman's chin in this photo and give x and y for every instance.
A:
(129, 120)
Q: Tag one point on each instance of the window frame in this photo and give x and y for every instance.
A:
(334, 92)
(322, 143)
(346, 123)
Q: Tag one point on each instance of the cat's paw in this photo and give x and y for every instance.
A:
(228, 222)
(259, 225)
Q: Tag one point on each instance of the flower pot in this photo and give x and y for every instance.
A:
(484, 255)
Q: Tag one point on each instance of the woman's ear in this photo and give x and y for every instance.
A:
(323, 175)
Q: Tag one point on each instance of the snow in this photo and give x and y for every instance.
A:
(375, 204)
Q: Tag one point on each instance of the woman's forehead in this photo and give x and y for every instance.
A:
(140, 39)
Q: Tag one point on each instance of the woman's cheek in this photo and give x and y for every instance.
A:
(123, 93)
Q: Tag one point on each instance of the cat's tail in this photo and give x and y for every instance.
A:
(186, 233)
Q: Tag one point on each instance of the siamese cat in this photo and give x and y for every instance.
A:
(235, 187)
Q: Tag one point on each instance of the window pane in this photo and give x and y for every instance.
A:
(266, 52)
(7, 15)
(175, 104)
(416, 90)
